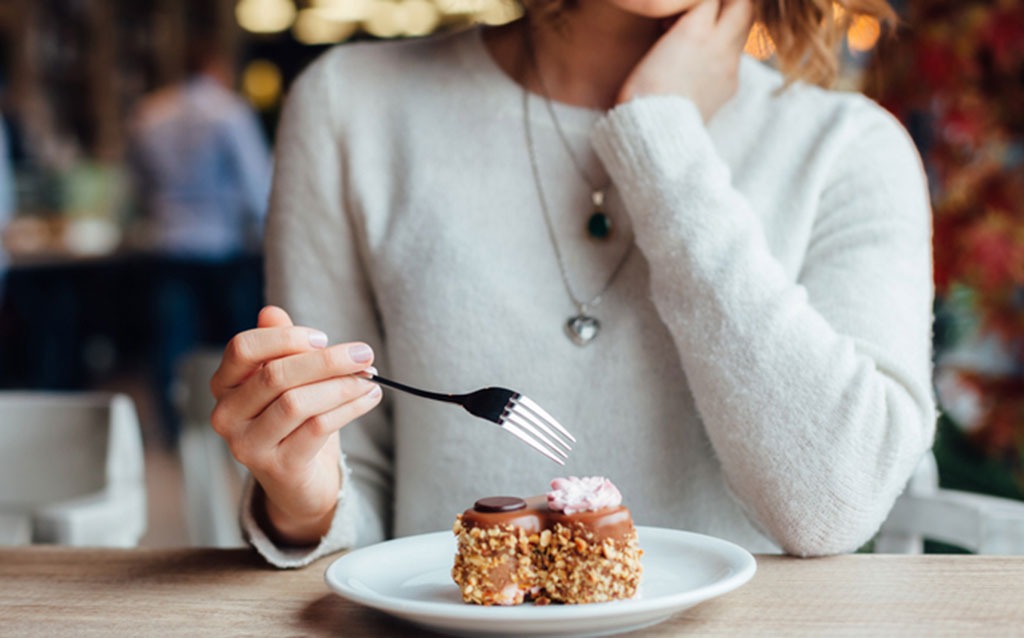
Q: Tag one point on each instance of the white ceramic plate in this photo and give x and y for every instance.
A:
(410, 578)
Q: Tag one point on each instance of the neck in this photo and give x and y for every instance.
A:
(585, 59)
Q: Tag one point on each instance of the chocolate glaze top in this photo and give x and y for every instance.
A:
(612, 522)
(499, 504)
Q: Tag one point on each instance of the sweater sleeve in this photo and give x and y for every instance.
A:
(816, 392)
(315, 272)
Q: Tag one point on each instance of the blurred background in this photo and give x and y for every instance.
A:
(135, 159)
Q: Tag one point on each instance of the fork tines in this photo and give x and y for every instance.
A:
(530, 423)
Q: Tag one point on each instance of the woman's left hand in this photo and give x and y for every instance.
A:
(698, 57)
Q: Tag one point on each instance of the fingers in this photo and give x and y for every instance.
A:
(248, 350)
(722, 24)
(280, 375)
(298, 405)
(728, 19)
(307, 440)
(273, 317)
(319, 409)
(699, 20)
(736, 19)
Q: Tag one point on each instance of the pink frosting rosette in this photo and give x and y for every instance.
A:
(573, 494)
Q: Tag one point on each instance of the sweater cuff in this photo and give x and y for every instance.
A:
(341, 535)
(664, 163)
(664, 131)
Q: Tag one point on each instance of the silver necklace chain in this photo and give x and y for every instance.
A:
(581, 306)
(535, 67)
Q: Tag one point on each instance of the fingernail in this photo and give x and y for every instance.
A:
(317, 339)
(371, 370)
(361, 353)
(374, 393)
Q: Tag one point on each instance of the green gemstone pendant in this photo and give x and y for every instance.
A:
(599, 226)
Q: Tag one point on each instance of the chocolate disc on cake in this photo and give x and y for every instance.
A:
(499, 504)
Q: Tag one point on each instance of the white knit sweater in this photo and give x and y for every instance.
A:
(763, 373)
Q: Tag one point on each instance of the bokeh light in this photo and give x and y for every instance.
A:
(499, 13)
(344, 10)
(863, 33)
(265, 16)
(759, 42)
(419, 17)
(318, 26)
(384, 20)
(464, 6)
(261, 83)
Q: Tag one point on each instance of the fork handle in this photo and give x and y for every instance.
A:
(437, 396)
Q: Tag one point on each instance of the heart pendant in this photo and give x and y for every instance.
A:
(582, 329)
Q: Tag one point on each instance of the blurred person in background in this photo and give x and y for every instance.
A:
(8, 200)
(202, 169)
(8, 205)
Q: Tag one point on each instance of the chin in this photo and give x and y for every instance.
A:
(654, 8)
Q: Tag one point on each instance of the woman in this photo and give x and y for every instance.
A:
(758, 366)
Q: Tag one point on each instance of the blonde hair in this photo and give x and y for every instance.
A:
(806, 34)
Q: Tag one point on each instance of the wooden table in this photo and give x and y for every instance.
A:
(65, 592)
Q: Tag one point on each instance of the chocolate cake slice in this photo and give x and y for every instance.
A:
(577, 544)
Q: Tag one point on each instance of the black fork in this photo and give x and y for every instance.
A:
(510, 410)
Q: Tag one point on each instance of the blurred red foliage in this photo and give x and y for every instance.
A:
(954, 74)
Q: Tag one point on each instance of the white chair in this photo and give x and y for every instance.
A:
(71, 470)
(976, 522)
(212, 478)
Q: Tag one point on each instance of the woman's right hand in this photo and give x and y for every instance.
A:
(698, 56)
(282, 396)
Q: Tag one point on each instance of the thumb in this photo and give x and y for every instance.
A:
(273, 317)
